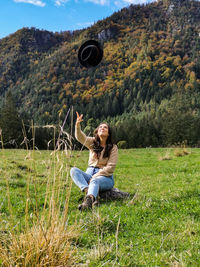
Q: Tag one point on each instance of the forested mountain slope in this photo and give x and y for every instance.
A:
(148, 82)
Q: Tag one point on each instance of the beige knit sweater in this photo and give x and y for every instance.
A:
(106, 165)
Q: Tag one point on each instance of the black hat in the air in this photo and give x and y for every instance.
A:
(90, 54)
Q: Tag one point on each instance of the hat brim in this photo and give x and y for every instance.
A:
(89, 62)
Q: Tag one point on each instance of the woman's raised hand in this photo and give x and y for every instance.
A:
(79, 118)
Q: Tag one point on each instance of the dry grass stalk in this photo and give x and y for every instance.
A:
(166, 156)
(116, 237)
(134, 199)
(185, 151)
(45, 240)
(100, 252)
(34, 248)
(180, 152)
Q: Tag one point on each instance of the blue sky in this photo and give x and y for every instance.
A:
(56, 15)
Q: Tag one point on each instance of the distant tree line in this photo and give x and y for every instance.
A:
(170, 123)
(20, 132)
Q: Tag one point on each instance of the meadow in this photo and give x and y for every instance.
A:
(158, 225)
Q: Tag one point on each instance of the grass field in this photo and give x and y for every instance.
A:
(158, 225)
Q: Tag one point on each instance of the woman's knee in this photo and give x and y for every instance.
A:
(94, 181)
(73, 170)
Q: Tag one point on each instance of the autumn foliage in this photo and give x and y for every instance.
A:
(151, 62)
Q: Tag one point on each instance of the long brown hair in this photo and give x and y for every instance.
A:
(97, 148)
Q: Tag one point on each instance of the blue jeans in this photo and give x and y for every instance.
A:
(82, 180)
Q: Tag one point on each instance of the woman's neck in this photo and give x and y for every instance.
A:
(103, 141)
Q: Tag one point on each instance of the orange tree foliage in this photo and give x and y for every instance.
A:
(151, 53)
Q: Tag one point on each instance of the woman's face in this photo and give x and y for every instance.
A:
(103, 130)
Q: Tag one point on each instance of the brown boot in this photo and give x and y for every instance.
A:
(87, 203)
(95, 204)
(85, 190)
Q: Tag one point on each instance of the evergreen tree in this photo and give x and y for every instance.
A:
(89, 129)
(179, 121)
(10, 123)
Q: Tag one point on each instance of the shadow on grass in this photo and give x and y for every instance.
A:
(188, 195)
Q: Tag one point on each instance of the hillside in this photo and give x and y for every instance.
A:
(150, 71)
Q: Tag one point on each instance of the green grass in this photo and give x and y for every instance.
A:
(159, 225)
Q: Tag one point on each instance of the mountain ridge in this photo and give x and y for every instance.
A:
(151, 54)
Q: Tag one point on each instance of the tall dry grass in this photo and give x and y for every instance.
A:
(41, 245)
(181, 150)
(46, 239)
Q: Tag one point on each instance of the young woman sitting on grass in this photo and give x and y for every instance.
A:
(102, 161)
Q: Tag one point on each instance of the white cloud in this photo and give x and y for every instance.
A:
(118, 3)
(135, 1)
(84, 24)
(33, 2)
(99, 2)
(124, 3)
(60, 2)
